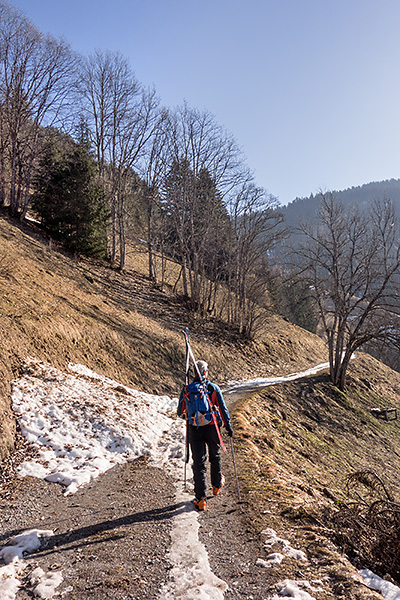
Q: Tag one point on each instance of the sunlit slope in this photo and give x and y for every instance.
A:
(62, 310)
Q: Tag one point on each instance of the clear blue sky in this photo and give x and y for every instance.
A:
(310, 89)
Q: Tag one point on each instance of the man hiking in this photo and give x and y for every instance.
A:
(203, 405)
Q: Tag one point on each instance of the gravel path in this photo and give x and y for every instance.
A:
(112, 537)
(232, 545)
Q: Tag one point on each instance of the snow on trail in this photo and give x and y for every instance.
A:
(83, 424)
(262, 382)
(43, 584)
(191, 575)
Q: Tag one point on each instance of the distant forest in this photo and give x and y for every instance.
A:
(306, 209)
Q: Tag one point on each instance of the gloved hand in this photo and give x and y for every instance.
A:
(229, 430)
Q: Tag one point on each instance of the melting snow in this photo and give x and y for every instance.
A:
(43, 584)
(295, 589)
(271, 538)
(387, 589)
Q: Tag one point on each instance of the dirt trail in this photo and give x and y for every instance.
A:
(113, 536)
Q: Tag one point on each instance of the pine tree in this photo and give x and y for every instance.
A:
(68, 200)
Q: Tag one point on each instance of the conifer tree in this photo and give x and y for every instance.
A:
(69, 201)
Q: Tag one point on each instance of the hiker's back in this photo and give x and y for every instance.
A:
(198, 406)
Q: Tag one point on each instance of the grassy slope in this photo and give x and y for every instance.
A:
(298, 443)
(308, 436)
(60, 310)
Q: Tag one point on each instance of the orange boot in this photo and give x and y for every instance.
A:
(216, 490)
(200, 504)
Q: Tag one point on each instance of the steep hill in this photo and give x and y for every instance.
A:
(62, 310)
(303, 442)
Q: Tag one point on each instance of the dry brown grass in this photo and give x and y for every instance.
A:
(61, 310)
(298, 443)
(310, 431)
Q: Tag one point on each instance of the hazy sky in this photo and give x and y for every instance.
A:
(310, 89)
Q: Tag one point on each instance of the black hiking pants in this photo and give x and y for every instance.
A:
(201, 439)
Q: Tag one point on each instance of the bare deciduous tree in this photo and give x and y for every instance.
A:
(36, 79)
(352, 264)
(122, 117)
(257, 228)
(152, 169)
(204, 163)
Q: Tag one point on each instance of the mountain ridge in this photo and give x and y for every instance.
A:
(307, 207)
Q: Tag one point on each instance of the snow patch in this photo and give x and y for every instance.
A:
(267, 381)
(295, 589)
(388, 590)
(272, 560)
(45, 584)
(191, 575)
(271, 538)
(84, 424)
(25, 543)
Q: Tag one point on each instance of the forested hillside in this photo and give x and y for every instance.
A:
(92, 155)
(60, 309)
(307, 208)
(93, 158)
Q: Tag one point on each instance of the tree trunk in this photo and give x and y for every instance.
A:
(152, 276)
(114, 230)
(2, 184)
(122, 235)
(343, 368)
(25, 204)
(13, 182)
(184, 279)
(163, 267)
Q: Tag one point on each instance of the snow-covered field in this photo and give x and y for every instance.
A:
(82, 424)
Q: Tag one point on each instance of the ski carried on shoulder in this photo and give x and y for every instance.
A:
(187, 368)
(191, 355)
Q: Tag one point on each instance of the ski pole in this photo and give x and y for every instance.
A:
(186, 454)
(234, 466)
